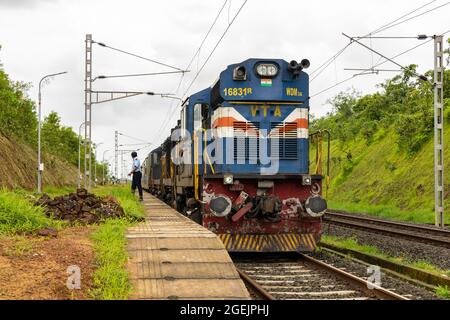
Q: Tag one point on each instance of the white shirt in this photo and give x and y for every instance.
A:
(136, 165)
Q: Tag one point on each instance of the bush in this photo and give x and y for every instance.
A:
(19, 215)
(403, 101)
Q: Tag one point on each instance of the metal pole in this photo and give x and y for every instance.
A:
(103, 167)
(439, 131)
(95, 163)
(116, 155)
(95, 167)
(40, 167)
(79, 155)
(121, 164)
(103, 160)
(88, 112)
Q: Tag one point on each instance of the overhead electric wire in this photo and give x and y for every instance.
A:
(387, 37)
(404, 16)
(207, 34)
(374, 51)
(137, 56)
(328, 62)
(141, 74)
(377, 65)
(411, 18)
(134, 138)
(215, 47)
(169, 112)
(134, 144)
(144, 147)
(212, 52)
(209, 56)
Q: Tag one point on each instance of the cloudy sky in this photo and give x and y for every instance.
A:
(46, 36)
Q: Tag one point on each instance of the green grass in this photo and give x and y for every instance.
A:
(18, 215)
(443, 292)
(352, 244)
(127, 200)
(58, 191)
(381, 180)
(386, 211)
(21, 246)
(110, 279)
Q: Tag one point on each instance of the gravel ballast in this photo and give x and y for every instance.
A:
(396, 247)
(398, 286)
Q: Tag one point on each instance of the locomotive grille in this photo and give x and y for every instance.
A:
(246, 140)
(285, 134)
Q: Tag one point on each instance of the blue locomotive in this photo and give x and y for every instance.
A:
(238, 160)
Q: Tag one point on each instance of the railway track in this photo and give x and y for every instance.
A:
(304, 277)
(422, 233)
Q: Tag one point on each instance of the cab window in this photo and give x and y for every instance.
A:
(183, 122)
(198, 117)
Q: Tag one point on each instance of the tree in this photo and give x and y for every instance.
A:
(404, 103)
(17, 112)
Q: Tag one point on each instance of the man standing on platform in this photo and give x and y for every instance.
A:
(137, 175)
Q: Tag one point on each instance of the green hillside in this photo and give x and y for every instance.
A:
(382, 155)
(379, 178)
(18, 141)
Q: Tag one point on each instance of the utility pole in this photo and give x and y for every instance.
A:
(121, 163)
(105, 96)
(40, 166)
(103, 166)
(95, 162)
(438, 86)
(116, 155)
(439, 131)
(79, 156)
(88, 113)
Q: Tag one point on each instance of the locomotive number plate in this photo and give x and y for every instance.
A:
(237, 91)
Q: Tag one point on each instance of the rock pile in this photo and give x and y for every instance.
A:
(81, 207)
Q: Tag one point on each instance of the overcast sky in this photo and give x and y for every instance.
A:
(46, 36)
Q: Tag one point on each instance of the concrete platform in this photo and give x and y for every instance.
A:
(172, 257)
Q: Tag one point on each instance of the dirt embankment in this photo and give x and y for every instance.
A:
(38, 267)
(18, 163)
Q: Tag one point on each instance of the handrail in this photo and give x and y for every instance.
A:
(205, 155)
(319, 155)
(196, 166)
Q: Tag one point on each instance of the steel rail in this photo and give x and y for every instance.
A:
(362, 284)
(416, 276)
(354, 281)
(254, 285)
(422, 233)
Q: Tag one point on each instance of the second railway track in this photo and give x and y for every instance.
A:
(304, 277)
(423, 233)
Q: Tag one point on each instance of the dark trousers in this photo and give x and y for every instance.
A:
(136, 183)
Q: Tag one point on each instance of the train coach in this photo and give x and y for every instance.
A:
(238, 160)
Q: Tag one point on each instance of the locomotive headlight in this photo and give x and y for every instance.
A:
(267, 69)
(306, 180)
(228, 179)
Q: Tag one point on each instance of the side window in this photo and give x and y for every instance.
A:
(183, 122)
(197, 117)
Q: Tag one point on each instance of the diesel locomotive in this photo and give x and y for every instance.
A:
(238, 161)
